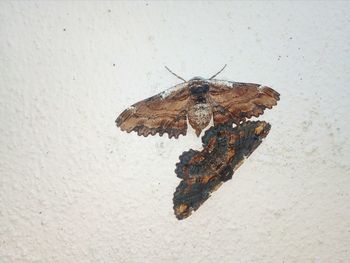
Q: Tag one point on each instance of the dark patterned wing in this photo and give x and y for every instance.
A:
(234, 101)
(163, 113)
(202, 172)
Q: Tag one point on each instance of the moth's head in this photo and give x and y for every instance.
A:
(198, 86)
(197, 78)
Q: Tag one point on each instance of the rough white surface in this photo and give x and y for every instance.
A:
(74, 188)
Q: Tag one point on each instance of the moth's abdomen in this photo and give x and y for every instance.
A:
(199, 116)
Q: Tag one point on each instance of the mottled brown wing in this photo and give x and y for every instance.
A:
(224, 150)
(234, 101)
(163, 113)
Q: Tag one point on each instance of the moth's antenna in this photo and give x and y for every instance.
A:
(175, 74)
(218, 72)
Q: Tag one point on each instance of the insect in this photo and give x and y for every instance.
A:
(224, 150)
(199, 101)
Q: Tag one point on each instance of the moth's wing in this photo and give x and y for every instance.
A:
(236, 102)
(187, 158)
(201, 173)
(190, 196)
(246, 138)
(233, 146)
(165, 112)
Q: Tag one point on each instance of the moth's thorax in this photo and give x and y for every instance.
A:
(198, 90)
(199, 116)
(198, 87)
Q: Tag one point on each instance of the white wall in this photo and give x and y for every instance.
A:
(74, 188)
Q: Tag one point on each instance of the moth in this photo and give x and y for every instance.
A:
(197, 101)
(202, 172)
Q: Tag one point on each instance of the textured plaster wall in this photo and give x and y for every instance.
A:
(74, 188)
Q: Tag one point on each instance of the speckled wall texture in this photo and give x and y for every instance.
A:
(74, 188)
